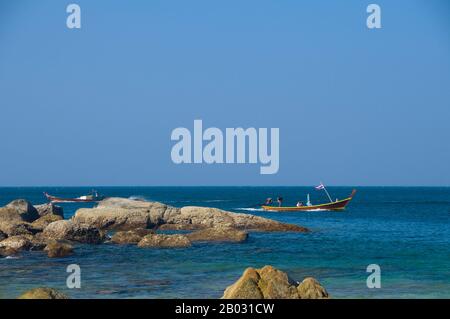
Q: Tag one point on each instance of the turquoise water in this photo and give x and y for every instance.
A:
(406, 231)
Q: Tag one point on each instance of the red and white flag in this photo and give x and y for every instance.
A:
(321, 186)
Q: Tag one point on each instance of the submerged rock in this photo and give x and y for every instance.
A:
(49, 209)
(121, 213)
(68, 230)
(43, 293)
(58, 248)
(7, 251)
(164, 241)
(225, 234)
(271, 283)
(44, 221)
(131, 236)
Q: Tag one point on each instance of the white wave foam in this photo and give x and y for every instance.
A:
(251, 209)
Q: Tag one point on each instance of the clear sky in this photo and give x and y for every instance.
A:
(96, 106)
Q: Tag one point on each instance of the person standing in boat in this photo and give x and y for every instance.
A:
(280, 201)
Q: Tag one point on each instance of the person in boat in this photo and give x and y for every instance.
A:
(268, 201)
(280, 201)
(299, 204)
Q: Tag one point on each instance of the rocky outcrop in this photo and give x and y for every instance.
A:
(271, 283)
(164, 241)
(16, 227)
(224, 234)
(131, 236)
(58, 248)
(19, 210)
(49, 209)
(43, 293)
(69, 230)
(44, 221)
(120, 213)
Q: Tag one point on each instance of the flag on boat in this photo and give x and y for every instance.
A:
(321, 186)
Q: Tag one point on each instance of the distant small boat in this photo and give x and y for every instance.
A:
(334, 206)
(93, 197)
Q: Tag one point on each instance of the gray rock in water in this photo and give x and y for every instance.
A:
(164, 241)
(19, 210)
(58, 248)
(224, 234)
(271, 283)
(68, 230)
(17, 243)
(49, 209)
(131, 236)
(44, 221)
(43, 293)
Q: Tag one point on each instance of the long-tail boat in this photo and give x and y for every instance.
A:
(94, 197)
(332, 205)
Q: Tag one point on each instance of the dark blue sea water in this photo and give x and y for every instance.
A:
(406, 231)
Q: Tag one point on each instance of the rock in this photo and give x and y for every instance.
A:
(58, 248)
(125, 214)
(43, 293)
(7, 251)
(218, 234)
(44, 221)
(271, 283)
(213, 217)
(164, 241)
(131, 236)
(16, 227)
(20, 210)
(16, 243)
(310, 288)
(2, 235)
(49, 209)
(68, 230)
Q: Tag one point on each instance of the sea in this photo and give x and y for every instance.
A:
(403, 230)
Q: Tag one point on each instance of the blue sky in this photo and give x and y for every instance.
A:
(96, 106)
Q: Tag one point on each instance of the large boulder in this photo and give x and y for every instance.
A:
(20, 210)
(43, 293)
(271, 283)
(49, 209)
(16, 243)
(164, 241)
(125, 214)
(58, 248)
(310, 288)
(69, 230)
(44, 221)
(131, 236)
(224, 234)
